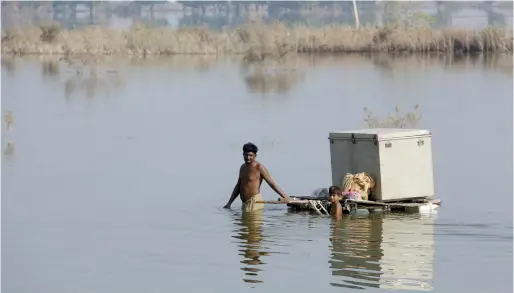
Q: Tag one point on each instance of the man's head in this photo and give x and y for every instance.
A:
(249, 152)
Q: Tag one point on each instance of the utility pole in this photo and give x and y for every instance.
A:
(356, 14)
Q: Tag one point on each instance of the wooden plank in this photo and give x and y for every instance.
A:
(367, 202)
(311, 197)
(396, 204)
(283, 202)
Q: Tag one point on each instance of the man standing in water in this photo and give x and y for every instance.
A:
(249, 182)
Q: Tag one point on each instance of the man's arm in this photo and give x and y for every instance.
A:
(265, 174)
(235, 193)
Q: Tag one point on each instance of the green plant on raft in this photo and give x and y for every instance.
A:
(396, 120)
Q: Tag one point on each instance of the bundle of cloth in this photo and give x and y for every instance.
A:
(357, 186)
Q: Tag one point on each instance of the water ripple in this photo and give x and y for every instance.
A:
(252, 243)
(382, 252)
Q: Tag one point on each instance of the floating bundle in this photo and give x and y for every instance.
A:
(362, 183)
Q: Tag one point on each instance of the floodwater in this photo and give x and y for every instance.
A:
(115, 173)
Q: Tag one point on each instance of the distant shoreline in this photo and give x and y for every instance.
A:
(255, 41)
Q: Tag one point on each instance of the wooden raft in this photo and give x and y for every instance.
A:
(388, 206)
(321, 205)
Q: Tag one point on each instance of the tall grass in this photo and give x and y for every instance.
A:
(256, 41)
(396, 120)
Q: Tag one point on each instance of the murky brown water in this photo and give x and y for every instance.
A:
(114, 175)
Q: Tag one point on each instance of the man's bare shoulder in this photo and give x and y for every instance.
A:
(260, 167)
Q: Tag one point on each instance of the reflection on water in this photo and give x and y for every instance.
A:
(408, 253)
(90, 77)
(50, 68)
(250, 232)
(200, 63)
(388, 252)
(390, 64)
(102, 74)
(267, 78)
(9, 119)
(9, 149)
(385, 251)
(9, 64)
(356, 252)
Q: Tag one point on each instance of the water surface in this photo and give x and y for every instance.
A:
(114, 174)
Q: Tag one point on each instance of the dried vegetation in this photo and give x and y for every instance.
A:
(256, 41)
(396, 120)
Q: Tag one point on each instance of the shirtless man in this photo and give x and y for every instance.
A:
(249, 182)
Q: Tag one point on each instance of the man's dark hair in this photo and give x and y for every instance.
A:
(334, 190)
(250, 148)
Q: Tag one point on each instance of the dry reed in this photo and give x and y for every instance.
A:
(256, 41)
(407, 120)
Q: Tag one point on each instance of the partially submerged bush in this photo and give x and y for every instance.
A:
(50, 31)
(8, 35)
